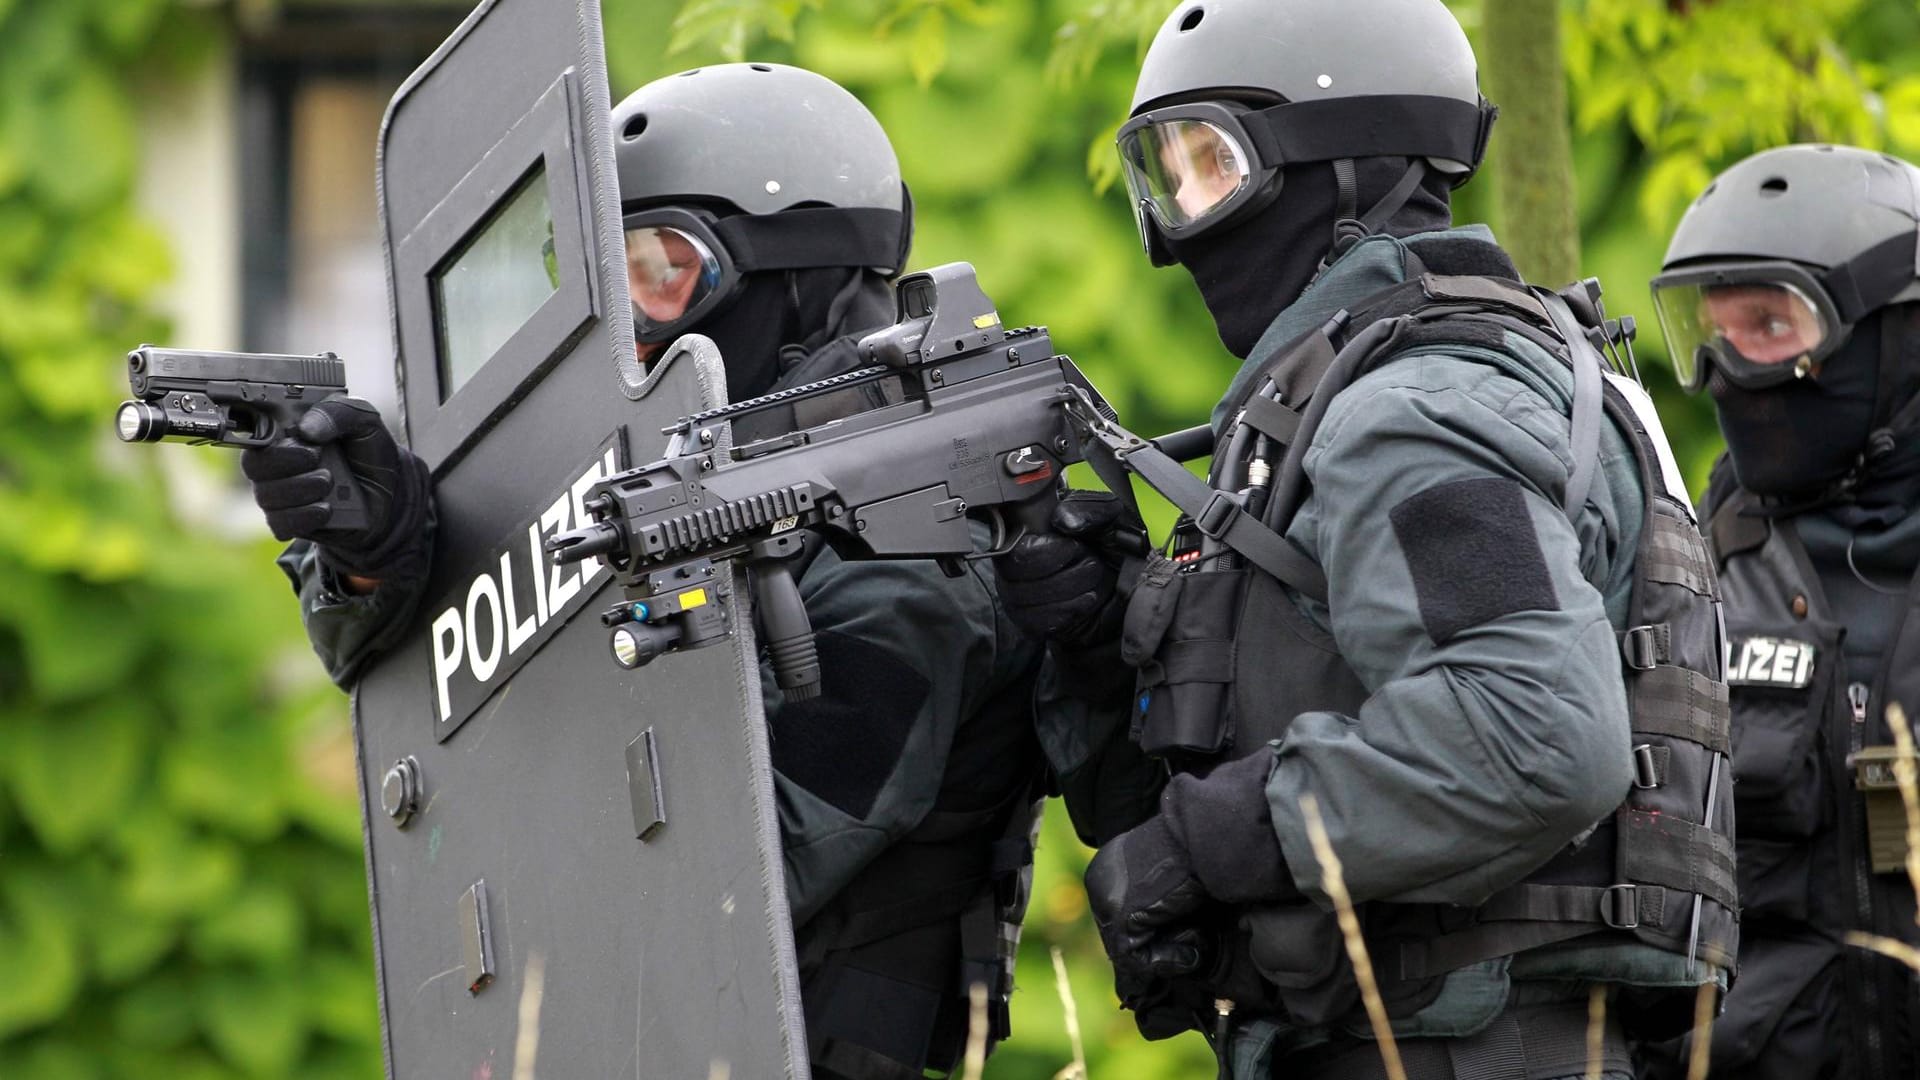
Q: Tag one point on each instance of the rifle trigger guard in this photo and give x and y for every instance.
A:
(1002, 543)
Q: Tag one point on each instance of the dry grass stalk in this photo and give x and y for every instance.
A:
(1886, 946)
(1335, 884)
(1596, 1030)
(1904, 774)
(532, 990)
(976, 1059)
(1702, 1029)
(1077, 1069)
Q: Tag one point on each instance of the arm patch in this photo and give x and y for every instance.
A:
(1474, 554)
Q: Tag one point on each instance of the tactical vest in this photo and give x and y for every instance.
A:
(1227, 660)
(1822, 831)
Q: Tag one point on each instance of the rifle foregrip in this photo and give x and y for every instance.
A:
(790, 645)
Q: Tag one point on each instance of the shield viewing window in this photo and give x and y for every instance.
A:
(491, 286)
(494, 283)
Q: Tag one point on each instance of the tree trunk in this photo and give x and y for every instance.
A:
(1532, 147)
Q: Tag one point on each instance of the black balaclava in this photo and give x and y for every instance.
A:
(784, 308)
(1826, 441)
(1250, 269)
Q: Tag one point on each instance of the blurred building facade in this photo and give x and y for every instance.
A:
(260, 168)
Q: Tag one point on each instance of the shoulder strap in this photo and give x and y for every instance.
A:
(1217, 514)
(1587, 405)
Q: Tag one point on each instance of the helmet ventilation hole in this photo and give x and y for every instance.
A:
(759, 67)
(634, 126)
(1774, 186)
(1192, 19)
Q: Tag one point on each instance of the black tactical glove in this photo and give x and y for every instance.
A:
(1142, 889)
(1151, 888)
(1063, 586)
(292, 487)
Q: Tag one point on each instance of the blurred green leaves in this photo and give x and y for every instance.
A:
(179, 896)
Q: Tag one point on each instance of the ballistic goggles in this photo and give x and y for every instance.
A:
(1758, 324)
(684, 266)
(1767, 323)
(1190, 167)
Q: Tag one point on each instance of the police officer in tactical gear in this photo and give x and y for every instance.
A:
(1790, 294)
(764, 208)
(1440, 582)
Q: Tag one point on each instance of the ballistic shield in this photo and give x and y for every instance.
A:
(573, 868)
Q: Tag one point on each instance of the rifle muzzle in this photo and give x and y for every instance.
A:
(599, 539)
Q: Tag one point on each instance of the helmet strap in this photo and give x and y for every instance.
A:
(1349, 230)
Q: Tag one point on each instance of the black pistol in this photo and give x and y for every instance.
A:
(240, 400)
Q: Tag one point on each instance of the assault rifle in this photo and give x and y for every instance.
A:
(238, 400)
(957, 419)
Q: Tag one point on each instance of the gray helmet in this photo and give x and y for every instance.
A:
(1352, 78)
(740, 168)
(1816, 236)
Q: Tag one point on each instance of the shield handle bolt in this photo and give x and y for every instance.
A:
(400, 791)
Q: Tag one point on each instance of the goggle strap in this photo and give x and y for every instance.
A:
(1375, 125)
(1871, 278)
(814, 237)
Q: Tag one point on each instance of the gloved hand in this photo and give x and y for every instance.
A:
(1062, 586)
(292, 487)
(1157, 891)
(1141, 889)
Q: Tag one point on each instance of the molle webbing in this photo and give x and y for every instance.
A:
(1673, 554)
(1661, 849)
(1682, 704)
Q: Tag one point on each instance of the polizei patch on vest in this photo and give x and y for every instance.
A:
(1474, 554)
(1769, 661)
(516, 599)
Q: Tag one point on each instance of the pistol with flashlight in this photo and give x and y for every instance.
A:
(239, 400)
(956, 420)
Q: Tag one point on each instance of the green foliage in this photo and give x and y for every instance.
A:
(154, 780)
(1666, 96)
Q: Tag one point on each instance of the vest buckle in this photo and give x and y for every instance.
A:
(1640, 648)
(1620, 906)
(1213, 518)
(1646, 767)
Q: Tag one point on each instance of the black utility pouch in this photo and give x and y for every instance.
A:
(1179, 633)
